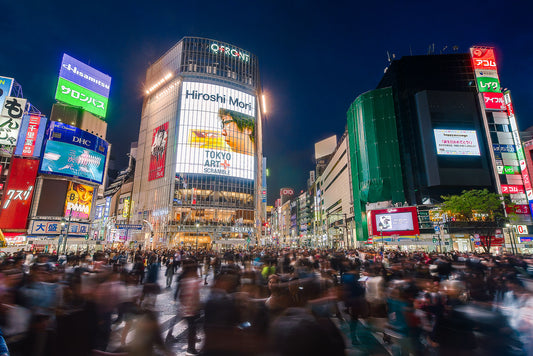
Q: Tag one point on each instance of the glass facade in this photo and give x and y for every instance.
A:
(199, 157)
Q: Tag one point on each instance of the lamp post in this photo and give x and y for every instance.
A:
(197, 226)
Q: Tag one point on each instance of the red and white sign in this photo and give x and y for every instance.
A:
(158, 152)
(521, 229)
(31, 136)
(518, 209)
(286, 191)
(19, 192)
(494, 101)
(393, 221)
(512, 189)
(483, 58)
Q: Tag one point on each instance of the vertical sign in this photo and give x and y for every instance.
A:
(158, 152)
(17, 197)
(107, 206)
(31, 136)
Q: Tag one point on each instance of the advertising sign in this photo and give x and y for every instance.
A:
(512, 189)
(521, 229)
(18, 194)
(126, 208)
(456, 142)
(107, 206)
(494, 101)
(79, 200)
(5, 89)
(394, 221)
(53, 227)
(518, 209)
(74, 161)
(488, 84)
(31, 136)
(504, 148)
(85, 76)
(9, 130)
(14, 107)
(216, 133)
(72, 135)
(508, 170)
(76, 95)
(483, 58)
(158, 152)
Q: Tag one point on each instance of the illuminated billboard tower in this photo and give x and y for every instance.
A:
(506, 148)
(198, 177)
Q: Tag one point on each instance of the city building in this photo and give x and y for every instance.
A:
(198, 178)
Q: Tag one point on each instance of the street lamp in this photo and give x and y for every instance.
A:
(197, 226)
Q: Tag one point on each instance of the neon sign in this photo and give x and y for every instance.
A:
(216, 48)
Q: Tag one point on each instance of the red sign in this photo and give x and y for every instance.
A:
(494, 241)
(393, 221)
(158, 152)
(494, 101)
(17, 197)
(512, 189)
(286, 191)
(31, 136)
(483, 58)
(518, 209)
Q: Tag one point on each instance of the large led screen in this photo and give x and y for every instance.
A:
(216, 133)
(69, 160)
(79, 200)
(456, 142)
(394, 221)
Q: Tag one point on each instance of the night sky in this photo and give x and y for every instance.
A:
(315, 57)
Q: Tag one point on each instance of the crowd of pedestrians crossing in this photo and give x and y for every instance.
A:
(268, 301)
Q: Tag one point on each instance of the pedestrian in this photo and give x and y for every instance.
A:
(169, 273)
(189, 297)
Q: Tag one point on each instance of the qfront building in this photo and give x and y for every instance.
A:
(199, 164)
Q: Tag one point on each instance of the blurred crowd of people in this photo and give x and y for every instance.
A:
(268, 301)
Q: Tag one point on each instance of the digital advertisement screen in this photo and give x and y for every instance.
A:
(76, 95)
(158, 152)
(393, 221)
(69, 160)
(456, 142)
(79, 200)
(85, 76)
(18, 194)
(216, 133)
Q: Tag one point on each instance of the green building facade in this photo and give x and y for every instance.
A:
(374, 154)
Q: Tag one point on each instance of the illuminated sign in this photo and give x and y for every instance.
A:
(126, 208)
(158, 152)
(5, 89)
(521, 229)
(503, 148)
(18, 194)
(69, 160)
(53, 227)
(286, 191)
(107, 207)
(216, 133)
(31, 136)
(508, 170)
(494, 101)
(483, 58)
(9, 130)
(76, 95)
(394, 221)
(14, 107)
(488, 84)
(85, 76)
(512, 189)
(232, 52)
(456, 142)
(79, 200)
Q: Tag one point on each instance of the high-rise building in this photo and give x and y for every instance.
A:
(198, 177)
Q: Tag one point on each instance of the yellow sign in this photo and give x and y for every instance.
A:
(79, 201)
(126, 209)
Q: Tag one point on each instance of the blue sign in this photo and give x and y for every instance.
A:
(74, 161)
(504, 148)
(107, 206)
(129, 226)
(80, 73)
(25, 137)
(437, 228)
(5, 89)
(59, 131)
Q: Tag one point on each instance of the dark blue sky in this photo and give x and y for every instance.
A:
(315, 57)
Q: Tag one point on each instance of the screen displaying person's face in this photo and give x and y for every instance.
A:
(237, 138)
(84, 193)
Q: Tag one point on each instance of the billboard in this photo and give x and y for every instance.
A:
(72, 152)
(158, 152)
(79, 200)
(494, 101)
(9, 130)
(14, 107)
(483, 58)
(76, 95)
(85, 76)
(216, 133)
(5, 89)
(18, 194)
(394, 221)
(456, 142)
(31, 136)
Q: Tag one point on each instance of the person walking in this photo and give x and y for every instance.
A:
(189, 297)
(171, 269)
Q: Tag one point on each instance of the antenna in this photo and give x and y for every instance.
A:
(388, 56)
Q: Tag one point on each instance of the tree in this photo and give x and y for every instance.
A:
(475, 212)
